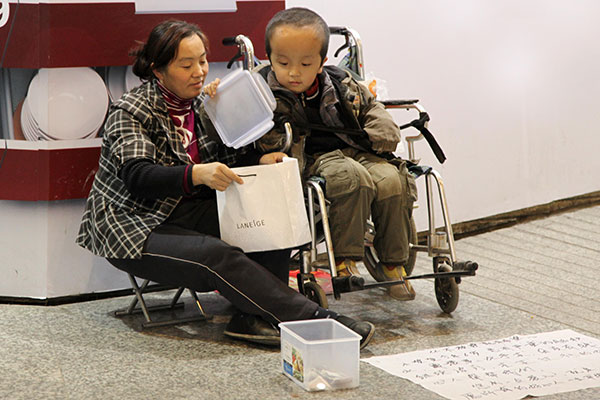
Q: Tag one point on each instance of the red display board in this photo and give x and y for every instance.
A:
(94, 34)
(47, 174)
(102, 34)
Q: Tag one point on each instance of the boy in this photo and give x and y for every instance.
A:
(343, 135)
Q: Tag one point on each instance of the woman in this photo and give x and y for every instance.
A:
(152, 210)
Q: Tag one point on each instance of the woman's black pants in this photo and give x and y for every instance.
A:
(185, 251)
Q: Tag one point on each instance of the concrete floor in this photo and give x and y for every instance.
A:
(534, 277)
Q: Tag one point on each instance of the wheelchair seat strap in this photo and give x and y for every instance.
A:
(419, 124)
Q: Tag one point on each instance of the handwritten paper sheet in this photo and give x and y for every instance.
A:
(510, 368)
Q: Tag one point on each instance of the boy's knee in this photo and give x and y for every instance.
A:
(342, 174)
(390, 186)
(396, 182)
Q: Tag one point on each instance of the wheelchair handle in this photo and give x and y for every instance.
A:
(229, 41)
(245, 50)
(352, 39)
(338, 30)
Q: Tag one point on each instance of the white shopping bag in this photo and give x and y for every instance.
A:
(267, 212)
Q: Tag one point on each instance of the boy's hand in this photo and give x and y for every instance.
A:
(214, 175)
(211, 88)
(272, 158)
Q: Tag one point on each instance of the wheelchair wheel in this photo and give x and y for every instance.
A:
(446, 290)
(314, 292)
(371, 260)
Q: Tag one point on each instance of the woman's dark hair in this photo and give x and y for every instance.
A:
(298, 17)
(161, 46)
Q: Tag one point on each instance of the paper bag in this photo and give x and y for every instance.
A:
(267, 211)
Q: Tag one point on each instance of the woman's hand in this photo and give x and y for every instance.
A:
(214, 175)
(211, 88)
(272, 158)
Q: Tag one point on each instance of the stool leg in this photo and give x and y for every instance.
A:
(176, 297)
(138, 294)
(197, 300)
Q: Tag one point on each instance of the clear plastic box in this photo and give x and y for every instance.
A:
(242, 109)
(320, 354)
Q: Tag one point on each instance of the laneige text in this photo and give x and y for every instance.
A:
(255, 223)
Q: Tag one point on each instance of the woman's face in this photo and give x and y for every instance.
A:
(185, 74)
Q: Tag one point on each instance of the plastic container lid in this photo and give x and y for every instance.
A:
(242, 109)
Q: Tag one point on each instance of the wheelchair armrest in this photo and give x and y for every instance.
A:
(287, 145)
(423, 117)
(398, 103)
(318, 180)
(418, 170)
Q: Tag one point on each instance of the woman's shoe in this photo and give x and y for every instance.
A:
(252, 328)
(363, 328)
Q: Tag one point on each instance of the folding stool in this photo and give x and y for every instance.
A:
(145, 287)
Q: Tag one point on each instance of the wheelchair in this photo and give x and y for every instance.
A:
(447, 269)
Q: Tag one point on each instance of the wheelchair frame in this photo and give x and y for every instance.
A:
(447, 270)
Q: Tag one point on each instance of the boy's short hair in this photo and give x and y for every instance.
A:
(298, 17)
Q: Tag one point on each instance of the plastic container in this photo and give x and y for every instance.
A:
(320, 354)
(242, 109)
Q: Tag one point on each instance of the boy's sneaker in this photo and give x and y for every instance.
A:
(363, 328)
(346, 268)
(402, 292)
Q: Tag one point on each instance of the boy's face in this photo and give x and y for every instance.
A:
(295, 56)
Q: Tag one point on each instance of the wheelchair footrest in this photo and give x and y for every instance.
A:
(443, 275)
(467, 266)
(344, 284)
(383, 284)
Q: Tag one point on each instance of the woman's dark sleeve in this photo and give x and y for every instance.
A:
(250, 157)
(145, 179)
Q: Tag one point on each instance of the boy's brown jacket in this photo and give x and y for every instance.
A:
(346, 104)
